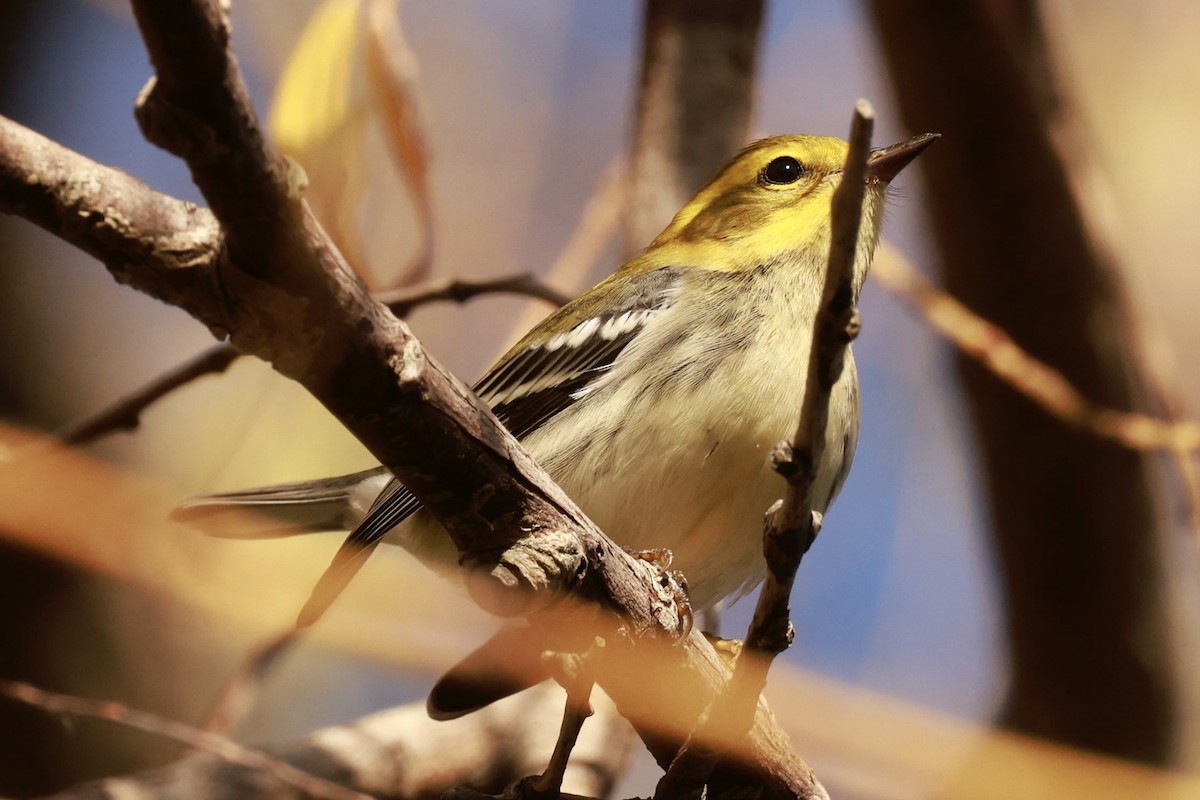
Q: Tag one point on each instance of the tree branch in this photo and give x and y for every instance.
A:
(1069, 509)
(399, 753)
(403, 301)
(225, 749)
(125, 414)
(792, 526)
(990, 345)
(163, 246)
(283, 292)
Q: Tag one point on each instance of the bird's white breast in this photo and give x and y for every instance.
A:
(688, 467)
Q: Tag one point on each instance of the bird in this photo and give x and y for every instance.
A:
(655, 398)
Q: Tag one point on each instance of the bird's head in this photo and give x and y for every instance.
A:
(771, 202)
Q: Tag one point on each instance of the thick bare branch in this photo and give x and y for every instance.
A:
(298, 304)
(285, 294)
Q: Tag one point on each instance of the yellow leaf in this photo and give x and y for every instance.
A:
(392, 73)
(313, 99)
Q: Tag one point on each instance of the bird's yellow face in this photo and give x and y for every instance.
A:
(769, 201)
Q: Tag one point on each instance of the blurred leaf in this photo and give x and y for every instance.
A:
(348, 83)
(81, 511)
(392, 73)
(872, 745)
(316, 120)
(313, 100)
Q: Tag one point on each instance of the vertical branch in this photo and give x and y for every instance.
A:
(1074, 516)
(792, 526)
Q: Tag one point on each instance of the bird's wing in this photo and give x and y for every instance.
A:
(545, 375)
(540, 377)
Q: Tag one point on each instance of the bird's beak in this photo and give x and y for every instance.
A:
(885, 163)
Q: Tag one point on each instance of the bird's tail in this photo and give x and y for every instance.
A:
(286, 509)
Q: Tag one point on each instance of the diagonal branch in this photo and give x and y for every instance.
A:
(283, 292)
(125, 414)
(226, 749)
(991, 346)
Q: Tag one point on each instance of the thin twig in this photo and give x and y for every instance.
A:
(403, 301)
(238, 695)
(219, 746)
(125, 414)
(791, 529)
(792, 525)
(994, 348)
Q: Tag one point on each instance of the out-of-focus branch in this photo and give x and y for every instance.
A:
(399, 753)
(1074, 515)
(227, 750)
(238, 695)
(1035, 379)
(694, 103)
(1038, 381)
(126, 413)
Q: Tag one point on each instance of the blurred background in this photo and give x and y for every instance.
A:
(957, 578)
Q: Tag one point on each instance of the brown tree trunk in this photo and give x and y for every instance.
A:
(1074, 517)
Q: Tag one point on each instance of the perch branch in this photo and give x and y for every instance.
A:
(792, 526)
(284, 293)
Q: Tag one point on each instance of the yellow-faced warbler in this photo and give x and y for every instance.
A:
(656, 397)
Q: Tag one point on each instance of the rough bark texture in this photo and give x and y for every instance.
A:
(272, 280)
(1074, 516)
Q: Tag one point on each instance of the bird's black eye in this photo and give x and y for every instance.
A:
(784, 169)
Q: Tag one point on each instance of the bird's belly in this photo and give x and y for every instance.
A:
(697, 483)
(689, 472)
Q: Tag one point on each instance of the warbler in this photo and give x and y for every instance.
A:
(655, 398)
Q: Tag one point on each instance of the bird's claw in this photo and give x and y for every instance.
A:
(674, 581)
